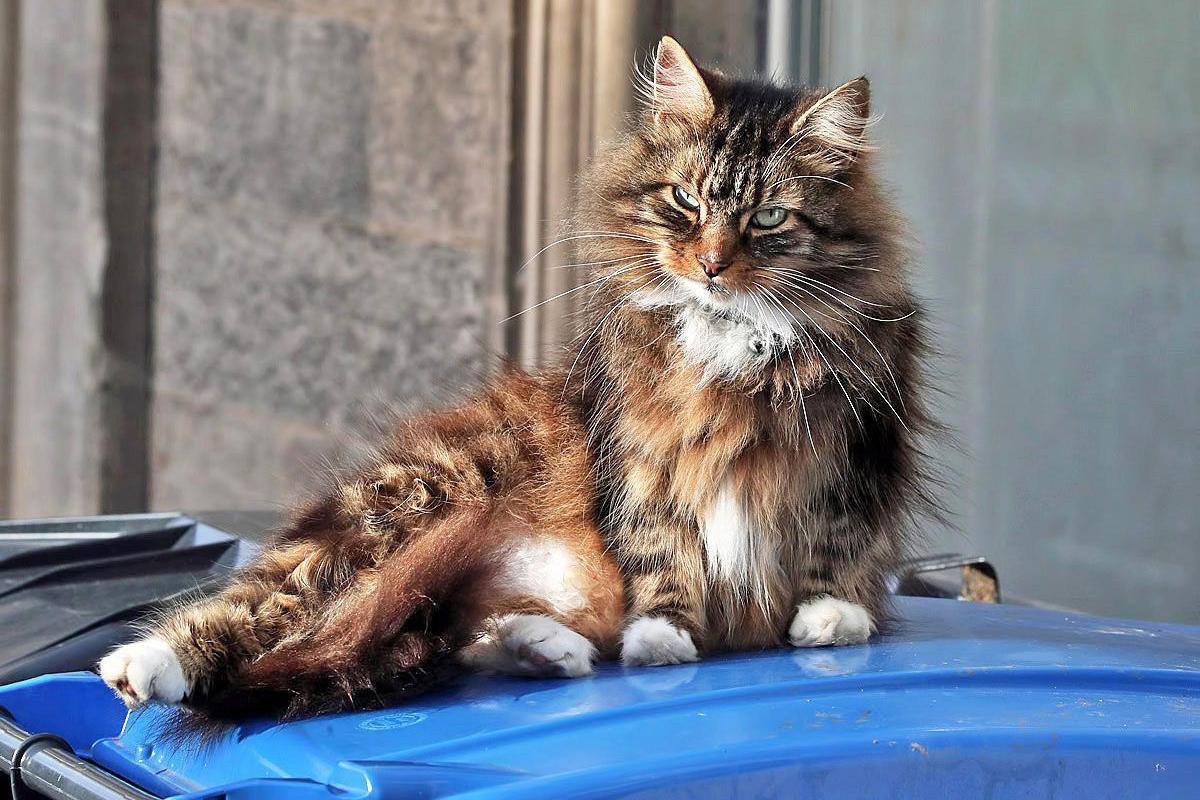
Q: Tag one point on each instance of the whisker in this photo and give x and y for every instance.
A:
(603, 263)
(836, 377)
(560, 295)
(599, 325)
(799, 274)
(777, 157)
(786, 282)
(649, 262)
(583, 347)
(795, 375)
(584, 235)
(882, 395)
(882, 359)
(621, 234)
(807, 177)
(827, 289)
(803, 406)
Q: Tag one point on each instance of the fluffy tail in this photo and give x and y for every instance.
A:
(392, 634)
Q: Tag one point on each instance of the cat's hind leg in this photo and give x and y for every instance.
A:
(145, 670)
(199, 647)
(553, 606)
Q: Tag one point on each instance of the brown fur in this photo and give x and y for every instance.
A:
(621, 452)
(823, 442)
(365, 595)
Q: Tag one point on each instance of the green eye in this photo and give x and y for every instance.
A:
(686, 200)
(768, 218)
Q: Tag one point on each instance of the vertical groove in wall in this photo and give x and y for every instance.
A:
(792, 41)
(497, 282)
(813, 40)
(129, 142)
(977, 289)
(567, 147)
(515, 189)
(527, 208)
(9, 41)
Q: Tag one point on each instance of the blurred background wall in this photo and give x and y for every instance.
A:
(235, 233)
(1045, 155)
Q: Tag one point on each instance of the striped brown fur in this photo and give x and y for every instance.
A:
(821, 440)
(733, 379)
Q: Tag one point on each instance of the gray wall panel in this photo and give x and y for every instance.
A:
(1045, 156)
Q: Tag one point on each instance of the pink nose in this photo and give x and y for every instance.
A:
(713, 266)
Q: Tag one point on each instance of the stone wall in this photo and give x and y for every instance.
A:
(330, 182)
(329, 189)
(305, 231)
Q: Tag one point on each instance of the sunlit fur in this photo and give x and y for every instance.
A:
(463, 518)
(709, 454)
(756, 435)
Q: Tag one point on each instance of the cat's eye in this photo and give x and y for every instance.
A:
(686, 200)
(768, 218)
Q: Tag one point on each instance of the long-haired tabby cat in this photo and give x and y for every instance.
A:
(727, 457)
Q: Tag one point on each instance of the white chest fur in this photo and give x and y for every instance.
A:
(738, 552)
(723, 348)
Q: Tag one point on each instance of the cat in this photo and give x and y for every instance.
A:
(727, 457)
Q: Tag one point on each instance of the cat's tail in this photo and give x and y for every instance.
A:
(394, 633)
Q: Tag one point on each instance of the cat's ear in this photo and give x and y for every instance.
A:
(678, 89)
(832, 131)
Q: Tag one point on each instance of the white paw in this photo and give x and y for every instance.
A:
(827, 620)
(532, 645)
(653, 641)
(144, 671)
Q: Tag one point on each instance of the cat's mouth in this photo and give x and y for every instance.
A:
(715, 300)
(704, 292)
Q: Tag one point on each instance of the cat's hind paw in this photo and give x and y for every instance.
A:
(654, 641)
(143, 671)
(829, 621)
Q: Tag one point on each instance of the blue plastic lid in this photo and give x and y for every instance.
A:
(964, 700)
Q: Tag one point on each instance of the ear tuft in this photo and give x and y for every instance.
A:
(675, 87)
(834, 128)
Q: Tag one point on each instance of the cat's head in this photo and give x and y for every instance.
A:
(745, 199)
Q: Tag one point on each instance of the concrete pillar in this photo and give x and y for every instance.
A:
(59, 263)
(77, 311)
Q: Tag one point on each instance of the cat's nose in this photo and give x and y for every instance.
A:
(713, 264)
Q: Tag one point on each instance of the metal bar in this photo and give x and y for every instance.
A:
(59, 774)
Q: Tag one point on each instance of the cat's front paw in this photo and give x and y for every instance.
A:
(531, 645)
(654, 641)
(545, 648)
(827, 620)
(144, 671)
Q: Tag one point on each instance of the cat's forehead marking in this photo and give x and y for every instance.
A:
(736, 165)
